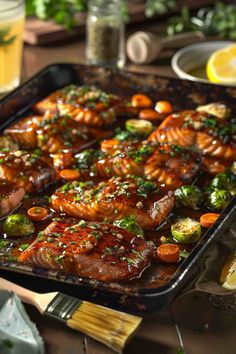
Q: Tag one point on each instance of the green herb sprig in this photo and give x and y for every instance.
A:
(5, 40)
(217, 20)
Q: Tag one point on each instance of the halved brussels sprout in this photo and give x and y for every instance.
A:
(189, 196)
(225, 181)
(18, 225)
(219, 199)
(186, 230)
(139, 126)
(216, 109)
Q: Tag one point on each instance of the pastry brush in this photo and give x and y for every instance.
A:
(108, 326)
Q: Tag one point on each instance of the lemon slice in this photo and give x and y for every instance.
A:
(221, 66)
(228, 275)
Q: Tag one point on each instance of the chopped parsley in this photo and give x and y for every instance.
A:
(124, 135)
(88, 157)
(24, 247)
(138, 155)
(146, 187)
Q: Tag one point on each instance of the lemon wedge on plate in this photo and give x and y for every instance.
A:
(221, 66)
(228, 275)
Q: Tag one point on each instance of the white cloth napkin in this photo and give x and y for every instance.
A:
(18, 335)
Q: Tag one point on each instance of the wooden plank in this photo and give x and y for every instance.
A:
(58, 338)
(39, 32)
(204, 328)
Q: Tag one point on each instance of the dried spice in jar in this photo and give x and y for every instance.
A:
(105, 33)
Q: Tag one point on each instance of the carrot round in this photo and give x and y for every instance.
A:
(109, 144)
(37, 213)
(141, 101)
(164, 107)
(62, 160)
(168, 253)
(150, 114)
(69, 175)
(207, 220)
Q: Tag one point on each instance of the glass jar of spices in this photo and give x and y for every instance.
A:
(105, 33)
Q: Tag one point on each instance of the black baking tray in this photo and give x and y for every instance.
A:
(184, 95)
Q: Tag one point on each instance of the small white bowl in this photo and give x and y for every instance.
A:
(193, 57)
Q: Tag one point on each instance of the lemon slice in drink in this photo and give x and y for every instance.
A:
(221, 66)
(228, 275)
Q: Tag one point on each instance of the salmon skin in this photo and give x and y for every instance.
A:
(115, 199)
(211, 136)
(53, 133)
(168, 164)
(26, 169)
(95, 250)
(85, 104)
(11, 196)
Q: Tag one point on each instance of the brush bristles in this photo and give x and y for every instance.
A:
(111, 327)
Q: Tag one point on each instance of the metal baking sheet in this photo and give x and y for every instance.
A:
(184, 95)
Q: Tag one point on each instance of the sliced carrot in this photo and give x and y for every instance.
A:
(109, 144)
(141, 101)
(37, 213)
(164, 107)
(207, 220)
(168, 253)
(62, 160)
(100, 106)
(150, 114)
(69, 175)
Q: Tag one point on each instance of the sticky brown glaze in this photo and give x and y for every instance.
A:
(213, 165)
(115, 199)
(170, 165)
(95, 250)
(57, 134)
(26, 170)
(10, 196)
(211, 136)
(24, 132)
(85, 104)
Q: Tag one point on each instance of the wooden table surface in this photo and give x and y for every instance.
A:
(192, 325)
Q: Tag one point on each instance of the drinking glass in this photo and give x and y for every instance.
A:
(12, 18)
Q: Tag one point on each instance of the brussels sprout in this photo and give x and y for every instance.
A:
(189, 196)
(219, 199)
(226, 181)
(129, 223)
(18, 225)
(186, 230)
(139, 126)
(216, 109)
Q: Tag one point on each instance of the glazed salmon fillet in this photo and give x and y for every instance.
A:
(115, 199)
(211, 136)
(26, 170)
(11, 196)
(60, 133)
(53, 133)
(95, 250)
(24, 131)
(85, 104)
(169, 165)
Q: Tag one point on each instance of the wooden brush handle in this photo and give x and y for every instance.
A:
(41, 301)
